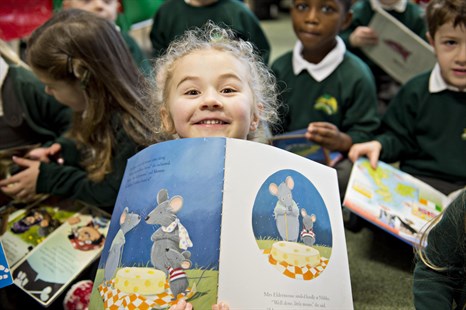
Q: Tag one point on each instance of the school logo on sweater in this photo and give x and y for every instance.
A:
(327, 104)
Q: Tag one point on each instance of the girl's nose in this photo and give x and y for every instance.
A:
(211, 101)
(312, 17)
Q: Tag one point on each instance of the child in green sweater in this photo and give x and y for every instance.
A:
(424, 127)
(325, 88)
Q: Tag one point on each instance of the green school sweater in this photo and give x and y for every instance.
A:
(138, 55)
(174, 17)
(426, 131)
(70, 180)
(46, 117)
(412, 17)
(446, 248)
(346, 98)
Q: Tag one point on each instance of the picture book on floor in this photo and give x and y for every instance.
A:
(400, 51)
(5, 274)
(50, 244)
(393, 200)
(295, 142)
(221, 219)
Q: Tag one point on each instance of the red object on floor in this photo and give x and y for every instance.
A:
(79, 295)
(18, 18)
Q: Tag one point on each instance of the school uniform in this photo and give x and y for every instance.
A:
(424, 128)
(339, 90)
(70, 180)
(27, 114)
(174, 17)
(138, 55)
(446, 248)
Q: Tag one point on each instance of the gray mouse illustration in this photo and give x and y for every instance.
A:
(128, 220)
(286, 211)
(176, 264)
(308, 237)
(172, 234)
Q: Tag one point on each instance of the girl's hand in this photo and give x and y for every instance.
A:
(363, 36)
(22, 186)
(370, 149)
(328, 136)
(182, 305)
(46, 154)
(220, 306)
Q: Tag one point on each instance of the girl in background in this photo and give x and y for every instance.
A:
(85, 64)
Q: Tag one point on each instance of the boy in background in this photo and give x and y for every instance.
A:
(108, 9)
(325, 88)
(424, 127)
(175, 16)
(359, 34)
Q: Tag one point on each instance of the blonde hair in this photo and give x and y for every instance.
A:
(262, 82)
(76, 45)
(10, 56)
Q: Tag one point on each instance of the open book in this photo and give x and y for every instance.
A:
(200, 219)
(50, 244)
(393, 200)
(5, 274)
(400, 52)
(295, 142)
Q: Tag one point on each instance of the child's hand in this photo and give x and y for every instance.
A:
(370, 149)
(182, 305)
(220, 306)
(363, 36)
(22, 186)
(46, 154)
(328, 136)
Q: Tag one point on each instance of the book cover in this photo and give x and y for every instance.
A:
(295, 142)
(400, 52)
(5, 274)
(201, 219)
(393, 200)
(49, 245)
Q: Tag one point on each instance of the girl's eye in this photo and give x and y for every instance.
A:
(228, 90)
(300, 6)
(191, 92)
(327, 9)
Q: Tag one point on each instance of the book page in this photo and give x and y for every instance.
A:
(5, 274)
(163, 241)
(268, 260)
(392, 199)
(400, 52)
(52, 265)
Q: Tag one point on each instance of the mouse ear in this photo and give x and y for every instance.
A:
(162, 196)
(303, 212)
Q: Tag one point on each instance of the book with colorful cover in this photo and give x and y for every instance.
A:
(400, 51)
(295, 142)
(5, 274)
(393, 200)
(50, 244)
(220, 219)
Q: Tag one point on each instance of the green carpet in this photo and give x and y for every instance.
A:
(381, 269)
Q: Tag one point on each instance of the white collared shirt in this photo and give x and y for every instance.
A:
(400, 6)
(324, 68)
(438, 84)
(3, 73)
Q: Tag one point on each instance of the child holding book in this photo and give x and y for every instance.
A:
(325, 88)
(424, 127)
(359, 35)
(439, 274)
(210, 84)
(85, 64)
(174, 17)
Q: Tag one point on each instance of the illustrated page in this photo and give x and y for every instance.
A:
(400, 52)
(5, 274)
(163, 241)
(51, 266)
(283, 243)
(392, 199)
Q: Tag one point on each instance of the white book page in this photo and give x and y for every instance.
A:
(247, 279)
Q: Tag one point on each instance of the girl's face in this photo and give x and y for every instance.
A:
(107, 9)
(209, 96)
(67, 93)
(316, 23)
(450, 47)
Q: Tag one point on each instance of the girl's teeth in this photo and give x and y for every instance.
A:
(211, 122)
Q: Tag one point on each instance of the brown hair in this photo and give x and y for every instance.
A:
(78, 45)
(440, 12)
